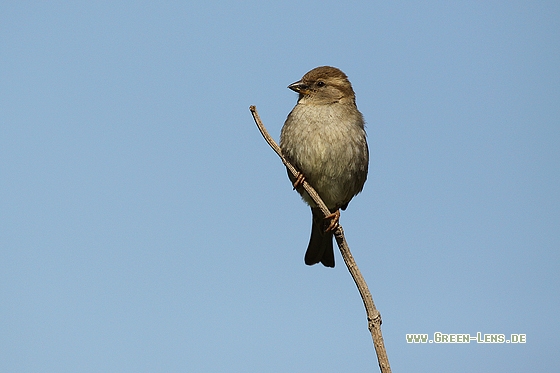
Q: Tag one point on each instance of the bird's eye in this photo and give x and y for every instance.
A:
(320, 83)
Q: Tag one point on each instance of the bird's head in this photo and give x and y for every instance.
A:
(323, 85)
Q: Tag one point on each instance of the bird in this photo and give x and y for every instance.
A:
(325, 140)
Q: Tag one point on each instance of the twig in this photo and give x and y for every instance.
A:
(373, 315)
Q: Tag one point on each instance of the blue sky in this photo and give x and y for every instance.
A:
(145, 226)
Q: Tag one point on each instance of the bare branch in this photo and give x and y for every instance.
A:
(373, 315)
(308, 188)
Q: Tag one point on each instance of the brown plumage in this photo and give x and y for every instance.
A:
(324, 138)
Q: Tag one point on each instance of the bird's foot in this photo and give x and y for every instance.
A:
(299, 180)
(334, 217)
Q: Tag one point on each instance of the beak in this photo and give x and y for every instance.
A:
(300, 87)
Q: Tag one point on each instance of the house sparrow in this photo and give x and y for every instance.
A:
(324, 138)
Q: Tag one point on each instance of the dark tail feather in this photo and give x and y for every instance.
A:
(320, 247)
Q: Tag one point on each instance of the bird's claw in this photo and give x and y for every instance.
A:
(334, 218)
(299, 180)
